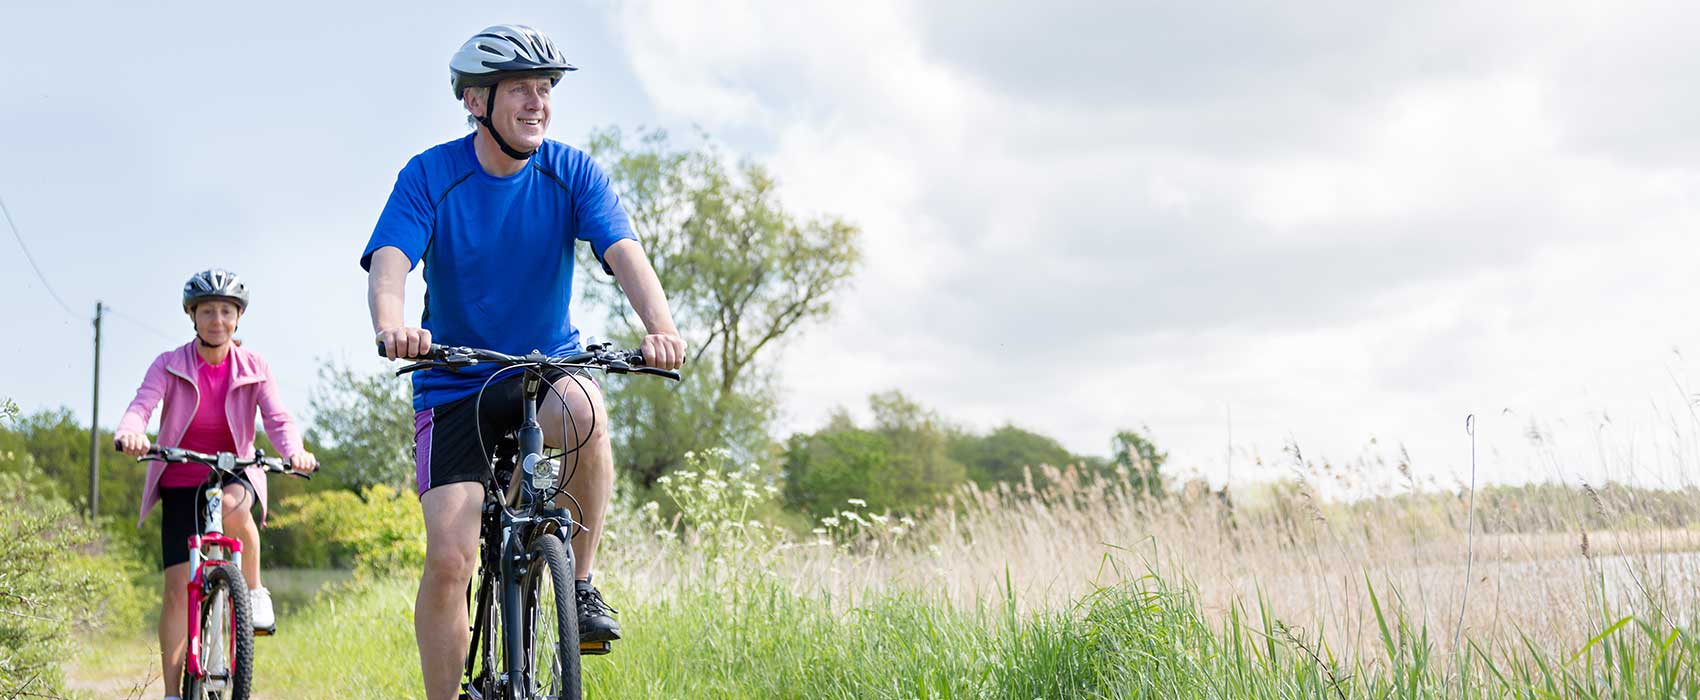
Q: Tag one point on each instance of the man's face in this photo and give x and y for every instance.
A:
(521, 111)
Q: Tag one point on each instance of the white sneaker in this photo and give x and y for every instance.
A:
(260, 611)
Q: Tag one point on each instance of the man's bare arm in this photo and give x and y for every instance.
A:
(662, 347)
(386, 296)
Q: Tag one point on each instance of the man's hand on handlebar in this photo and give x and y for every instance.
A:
(404, 342)
(663, 350)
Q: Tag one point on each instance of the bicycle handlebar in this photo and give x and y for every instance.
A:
(222, 461)
(596, 356)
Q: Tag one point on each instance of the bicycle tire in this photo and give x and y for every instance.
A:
(552, 664)
(483, 666)
(227, 623)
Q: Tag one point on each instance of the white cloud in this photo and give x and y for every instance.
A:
(1343, 224)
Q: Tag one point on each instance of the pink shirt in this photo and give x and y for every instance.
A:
(209, 430)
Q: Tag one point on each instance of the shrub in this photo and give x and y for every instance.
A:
(52, 583)
(377, 531)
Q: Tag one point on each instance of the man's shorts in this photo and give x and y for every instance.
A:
(180, 518)
(446, 438)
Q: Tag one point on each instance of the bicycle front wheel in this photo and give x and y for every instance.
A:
(225, 639)
(552, 669)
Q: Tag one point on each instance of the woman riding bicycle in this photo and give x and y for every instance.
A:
(212, 387)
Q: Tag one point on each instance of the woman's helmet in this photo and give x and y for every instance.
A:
(216, 283)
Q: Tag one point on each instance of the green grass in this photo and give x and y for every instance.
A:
(1148, 640)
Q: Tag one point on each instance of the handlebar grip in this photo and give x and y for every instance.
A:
(432, 352)
(643, 367)
(669, 374)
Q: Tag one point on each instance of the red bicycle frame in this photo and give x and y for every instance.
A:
(197, 593)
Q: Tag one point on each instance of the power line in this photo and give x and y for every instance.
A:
(37, 268)
(138, 323)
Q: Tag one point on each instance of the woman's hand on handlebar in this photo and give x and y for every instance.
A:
(304, 462)
(404, 342)
(131, 443)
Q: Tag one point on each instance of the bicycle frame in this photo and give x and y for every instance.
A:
(512, 530)
(509, 531)
(205, 552)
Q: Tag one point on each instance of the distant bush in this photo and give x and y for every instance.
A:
(377, 531)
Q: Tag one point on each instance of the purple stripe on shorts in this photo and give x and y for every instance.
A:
(422, 450)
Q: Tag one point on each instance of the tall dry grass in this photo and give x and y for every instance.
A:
(1547, 560)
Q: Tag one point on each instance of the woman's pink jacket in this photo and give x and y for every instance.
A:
(171, 378)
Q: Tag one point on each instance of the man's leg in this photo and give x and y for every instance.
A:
(592, 484)
(451, 557)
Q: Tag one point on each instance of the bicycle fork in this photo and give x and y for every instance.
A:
(198, 563)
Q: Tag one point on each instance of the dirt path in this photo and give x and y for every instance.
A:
(127, 669)
(118, 670)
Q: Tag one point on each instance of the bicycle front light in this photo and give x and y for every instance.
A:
(544, 473)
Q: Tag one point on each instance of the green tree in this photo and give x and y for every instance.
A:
(901, 461)
(52, 446)
(363, 427)
(742, 275)
(1004, 453)
(1140, 459)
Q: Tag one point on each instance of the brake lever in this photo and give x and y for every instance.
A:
(415, 367)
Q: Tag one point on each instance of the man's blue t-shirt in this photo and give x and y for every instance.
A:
(498, 251)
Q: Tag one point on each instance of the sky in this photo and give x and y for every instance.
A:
(1234, 226)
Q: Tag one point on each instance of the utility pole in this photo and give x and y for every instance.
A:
(94, 422)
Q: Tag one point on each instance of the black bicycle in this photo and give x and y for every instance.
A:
(219, 663)
(525, 643)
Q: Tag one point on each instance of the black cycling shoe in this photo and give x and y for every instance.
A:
(595, 619)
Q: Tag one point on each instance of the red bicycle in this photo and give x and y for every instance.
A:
(221, 635)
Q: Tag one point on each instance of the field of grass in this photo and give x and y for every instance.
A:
(1084, 589)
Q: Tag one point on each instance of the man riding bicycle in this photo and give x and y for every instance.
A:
(494, 217)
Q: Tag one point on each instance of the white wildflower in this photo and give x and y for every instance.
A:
(859, 503)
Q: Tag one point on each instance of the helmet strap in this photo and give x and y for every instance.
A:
(490, 106)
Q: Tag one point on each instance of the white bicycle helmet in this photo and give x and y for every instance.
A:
(502, 50)
(216, 283)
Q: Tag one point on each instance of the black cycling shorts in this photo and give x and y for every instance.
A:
(446, 437)
(180, 519)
